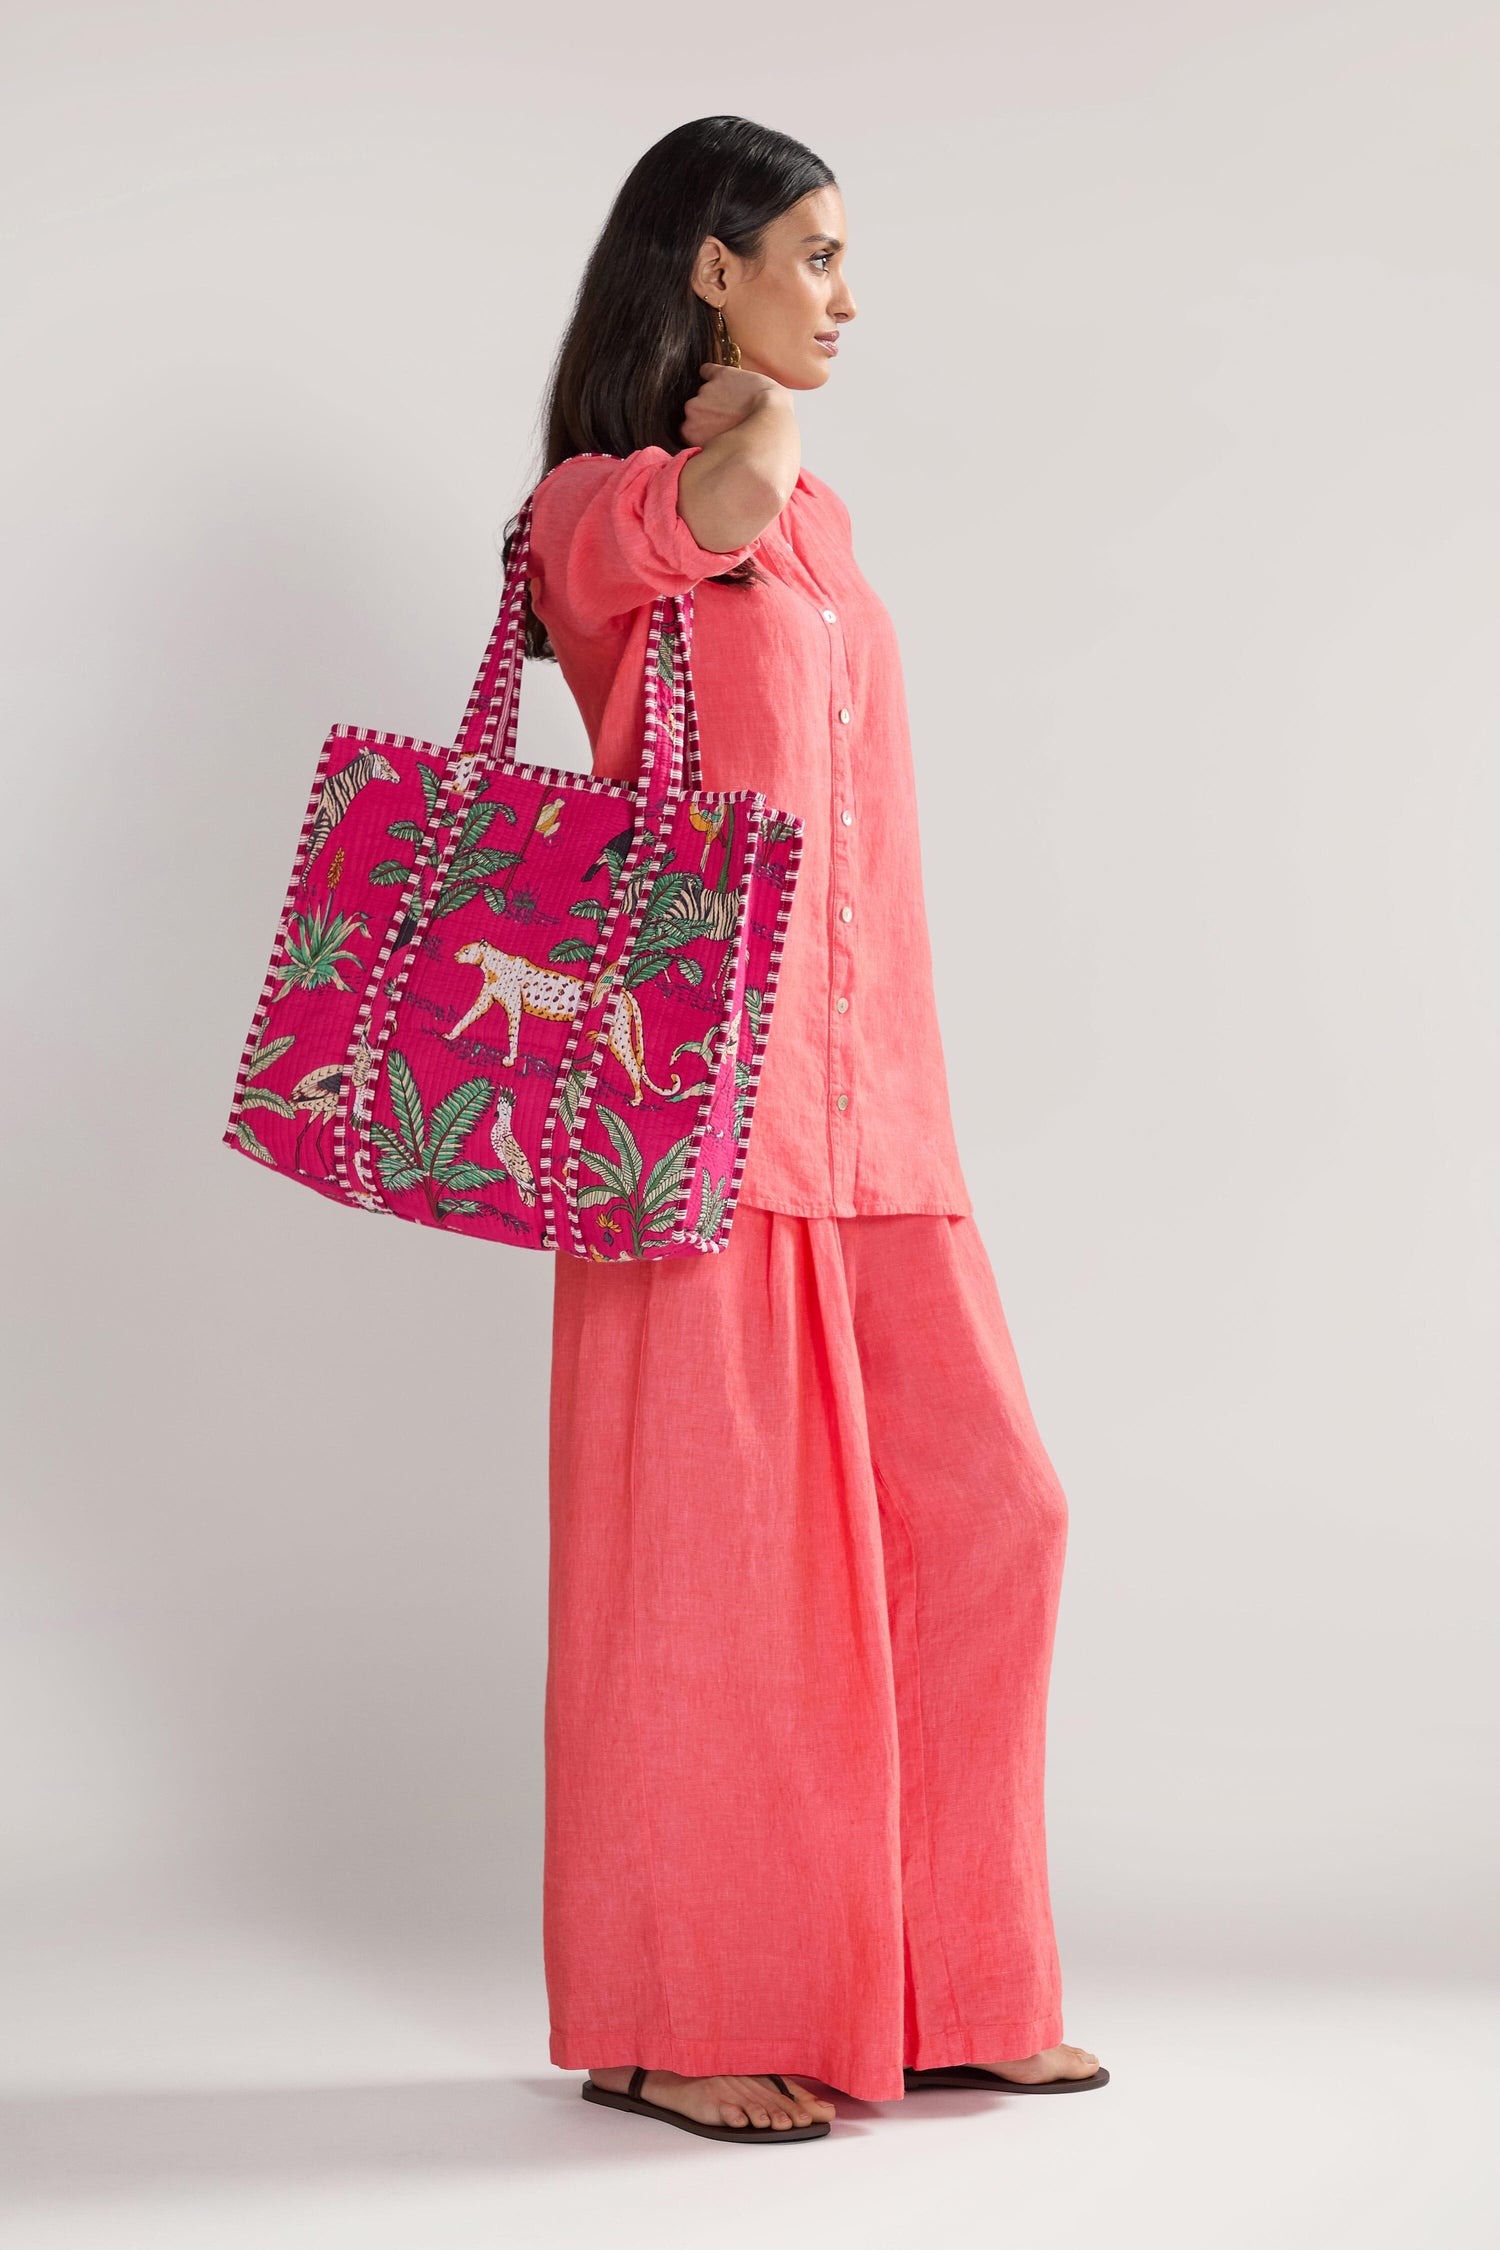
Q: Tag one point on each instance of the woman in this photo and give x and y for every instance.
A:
(805, 1537)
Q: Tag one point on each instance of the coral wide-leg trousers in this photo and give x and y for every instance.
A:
(806, 1545)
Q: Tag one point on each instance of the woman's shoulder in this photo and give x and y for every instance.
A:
(588, 470)
(579, 474)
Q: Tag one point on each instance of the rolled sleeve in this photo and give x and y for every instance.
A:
(607, 538)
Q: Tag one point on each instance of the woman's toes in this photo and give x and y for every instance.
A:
(731, 2115)
(808, 2108)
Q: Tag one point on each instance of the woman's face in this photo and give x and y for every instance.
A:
(786, 311)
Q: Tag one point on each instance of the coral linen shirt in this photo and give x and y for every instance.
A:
(800, 694)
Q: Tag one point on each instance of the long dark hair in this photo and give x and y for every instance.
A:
(628, 362)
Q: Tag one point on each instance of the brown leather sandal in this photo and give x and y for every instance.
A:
(974, 2074)
(632, 2100)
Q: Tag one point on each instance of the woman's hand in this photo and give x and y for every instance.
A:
(750, 453)
(727, 396)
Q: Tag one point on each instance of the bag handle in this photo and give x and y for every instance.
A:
(493, 713)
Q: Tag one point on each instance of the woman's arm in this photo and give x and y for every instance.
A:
(751, 452)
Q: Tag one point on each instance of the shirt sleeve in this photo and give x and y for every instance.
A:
(606, 537)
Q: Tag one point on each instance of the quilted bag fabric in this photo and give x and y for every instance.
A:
(520, 1002)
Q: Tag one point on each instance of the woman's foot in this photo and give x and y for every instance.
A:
(726, 2100)
(1053, 2062)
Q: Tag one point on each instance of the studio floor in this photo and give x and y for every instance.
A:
(232, 2086)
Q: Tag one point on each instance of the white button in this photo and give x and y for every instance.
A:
(843, 1101)
(846, 914)
(844, 715)
(831, 615)
(846, 818)
(841, 1003)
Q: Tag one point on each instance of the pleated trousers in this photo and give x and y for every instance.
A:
(805, 1552)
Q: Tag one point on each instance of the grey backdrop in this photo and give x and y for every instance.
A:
(1168, 431)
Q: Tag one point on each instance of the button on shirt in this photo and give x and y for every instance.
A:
(800, 694)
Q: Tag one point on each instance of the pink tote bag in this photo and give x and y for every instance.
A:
(520, 1002)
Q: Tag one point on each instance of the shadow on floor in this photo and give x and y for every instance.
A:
(96, 2142)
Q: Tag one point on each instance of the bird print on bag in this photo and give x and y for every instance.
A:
(612, 856)
(710, 822)
(318, 1094)
(508, 1150)
(362, 1071)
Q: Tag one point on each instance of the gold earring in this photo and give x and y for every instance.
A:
(728, 351)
